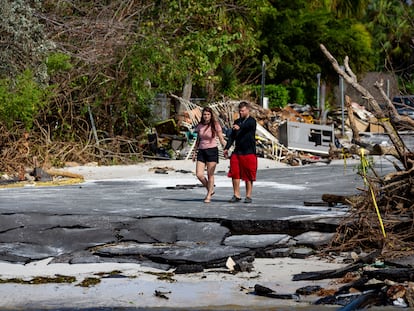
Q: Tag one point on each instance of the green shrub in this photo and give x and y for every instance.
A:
(57, 62)
(21, 99)
(296, 95)
(278, 94)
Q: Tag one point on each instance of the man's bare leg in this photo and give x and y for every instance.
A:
(249, 189)
(236, 187)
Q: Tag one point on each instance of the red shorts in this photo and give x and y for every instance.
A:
(243, 167)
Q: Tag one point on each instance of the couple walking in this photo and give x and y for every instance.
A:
(243, 161)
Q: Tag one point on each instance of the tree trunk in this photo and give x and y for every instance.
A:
(188, 87)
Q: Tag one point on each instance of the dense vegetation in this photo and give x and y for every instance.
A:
(65, 63)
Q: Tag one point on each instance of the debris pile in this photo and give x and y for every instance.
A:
(381, 218)
(269, 122)
(310, 141)
(173, 138)
(40, 177)
(364, 283)
(368, 282)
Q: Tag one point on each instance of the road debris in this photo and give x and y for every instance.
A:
(161, 294)
(380, 219)
(260, 290)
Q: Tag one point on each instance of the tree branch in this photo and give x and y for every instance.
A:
(350, 77)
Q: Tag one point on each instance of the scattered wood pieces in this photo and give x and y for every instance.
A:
(260, 290)
(308, 290)
(326, 274)
(184, 187)
(161, 294)
(161, 170)
(333, 199)
(58, 173)
(188, 268)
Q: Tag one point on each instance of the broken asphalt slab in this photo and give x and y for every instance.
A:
(167, 226)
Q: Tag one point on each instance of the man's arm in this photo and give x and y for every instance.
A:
(248, 125)
(229, 143)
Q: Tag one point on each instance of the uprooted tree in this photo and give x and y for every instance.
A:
(382, 216)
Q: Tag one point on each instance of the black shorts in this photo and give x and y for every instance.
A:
(208, 155)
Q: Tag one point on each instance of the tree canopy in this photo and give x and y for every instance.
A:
(291, 35)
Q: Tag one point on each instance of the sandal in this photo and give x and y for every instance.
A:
(234, 199)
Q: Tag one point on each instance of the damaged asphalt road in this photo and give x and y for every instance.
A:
(142, 221)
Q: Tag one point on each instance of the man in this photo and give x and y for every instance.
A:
(243, 161)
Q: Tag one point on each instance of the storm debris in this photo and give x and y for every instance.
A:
(161, 294)
(380, 218)
(370, 286)
(188, 268)
(308, 290)
(260, 290)
(163, 276)
(40, 280)
(89, 281)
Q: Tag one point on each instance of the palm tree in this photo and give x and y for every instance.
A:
(349, 8)
(391, 23)
(342, 8)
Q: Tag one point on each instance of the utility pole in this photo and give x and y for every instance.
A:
(318, 92)
(341, 91)
(262, 93)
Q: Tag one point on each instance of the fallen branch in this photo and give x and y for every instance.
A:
(63, 174)
(350, 77)
(327, 274)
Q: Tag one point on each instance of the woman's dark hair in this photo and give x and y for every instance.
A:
(212, 122)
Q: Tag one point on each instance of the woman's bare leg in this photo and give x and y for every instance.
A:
(211, 167)
(200, 167)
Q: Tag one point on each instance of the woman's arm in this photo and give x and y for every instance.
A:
(197, 142)
(220, 135)
(221, 139)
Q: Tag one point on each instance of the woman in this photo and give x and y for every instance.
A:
(206, 150)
